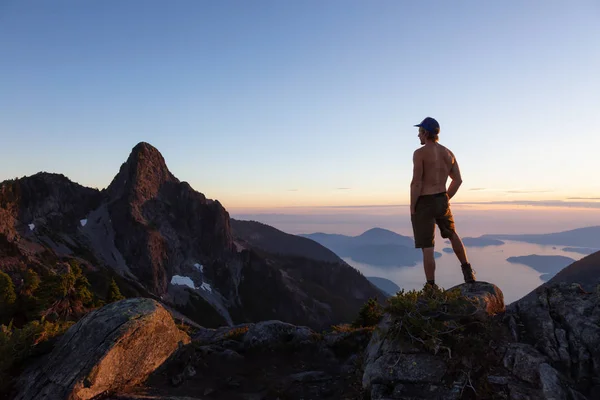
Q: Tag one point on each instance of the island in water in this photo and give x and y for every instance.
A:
(547, 265)
(580, 250)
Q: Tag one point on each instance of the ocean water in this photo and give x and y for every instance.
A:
(515, 280)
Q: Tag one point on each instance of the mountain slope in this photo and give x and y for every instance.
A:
(585, 271)
(384, 284)
(272, 240)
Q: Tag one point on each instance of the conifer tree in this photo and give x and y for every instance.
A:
(7, 295)
(114, 294)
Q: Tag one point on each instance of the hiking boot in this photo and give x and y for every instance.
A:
(468, 273)
(431, 289)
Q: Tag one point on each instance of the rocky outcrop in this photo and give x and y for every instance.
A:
(488, 297)
(542, 347)
(267, 360)
(48, 200)
(561, 325)
(397, 366)
(112, 348)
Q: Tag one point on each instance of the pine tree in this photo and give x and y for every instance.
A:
(369, 315)
(7, 296)
(7, 290)
(31, 281)
(114, 294)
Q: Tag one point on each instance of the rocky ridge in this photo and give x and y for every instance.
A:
(542, 348)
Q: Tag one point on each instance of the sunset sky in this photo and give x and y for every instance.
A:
(268, 104)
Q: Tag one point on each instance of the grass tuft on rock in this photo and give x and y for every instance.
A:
(442, 322)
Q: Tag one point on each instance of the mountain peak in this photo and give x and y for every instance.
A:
(379, 233)
(142, 175)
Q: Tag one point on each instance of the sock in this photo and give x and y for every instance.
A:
(431, 282)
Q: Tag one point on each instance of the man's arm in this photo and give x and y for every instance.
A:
(456, 179)
(417, 181)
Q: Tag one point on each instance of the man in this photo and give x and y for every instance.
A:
(429, 199)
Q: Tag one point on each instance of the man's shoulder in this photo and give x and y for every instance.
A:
(446, 149)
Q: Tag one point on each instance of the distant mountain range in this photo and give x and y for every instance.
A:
(582, 237)
(377, 246)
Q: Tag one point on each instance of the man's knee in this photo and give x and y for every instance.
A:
(448, 233)
(428, 251)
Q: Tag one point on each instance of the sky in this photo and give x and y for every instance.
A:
(272, 105)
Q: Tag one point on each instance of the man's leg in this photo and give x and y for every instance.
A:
(459, 248)
(461, 254)
(429, 263)
(445, 221)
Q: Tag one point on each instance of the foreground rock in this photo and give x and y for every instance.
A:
(267, 360)
(398, 366)
(560, 324)
(489, 298)
(112, 348)
(545, 346)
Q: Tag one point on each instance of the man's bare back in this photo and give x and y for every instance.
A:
(439, 163)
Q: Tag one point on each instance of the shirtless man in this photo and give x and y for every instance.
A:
(429, 200)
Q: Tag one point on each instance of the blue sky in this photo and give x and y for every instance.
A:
(305, 103)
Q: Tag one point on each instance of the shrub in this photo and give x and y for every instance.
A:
(65, 294)
(431, 318)
(31, 281)
(7, 296)
(18, 344)
(7, 290)
(236, 333)
(114, 294)
(369, 315)
(442, 321)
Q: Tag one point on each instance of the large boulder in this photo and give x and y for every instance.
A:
(109, 349)
(488, 297)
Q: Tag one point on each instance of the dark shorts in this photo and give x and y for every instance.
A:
(430, 210)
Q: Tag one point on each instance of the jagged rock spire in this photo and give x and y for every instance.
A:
(142, 175)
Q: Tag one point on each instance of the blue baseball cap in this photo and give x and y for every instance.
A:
(430, 125)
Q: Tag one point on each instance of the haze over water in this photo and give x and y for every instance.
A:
(515, 280)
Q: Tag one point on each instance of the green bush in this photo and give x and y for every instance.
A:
(18, 344)
(435, 318)
(442, 322)
(7, 296)
(31, 281)
(7, 290)
(114, 294)
(65, 294)
(369, 315)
